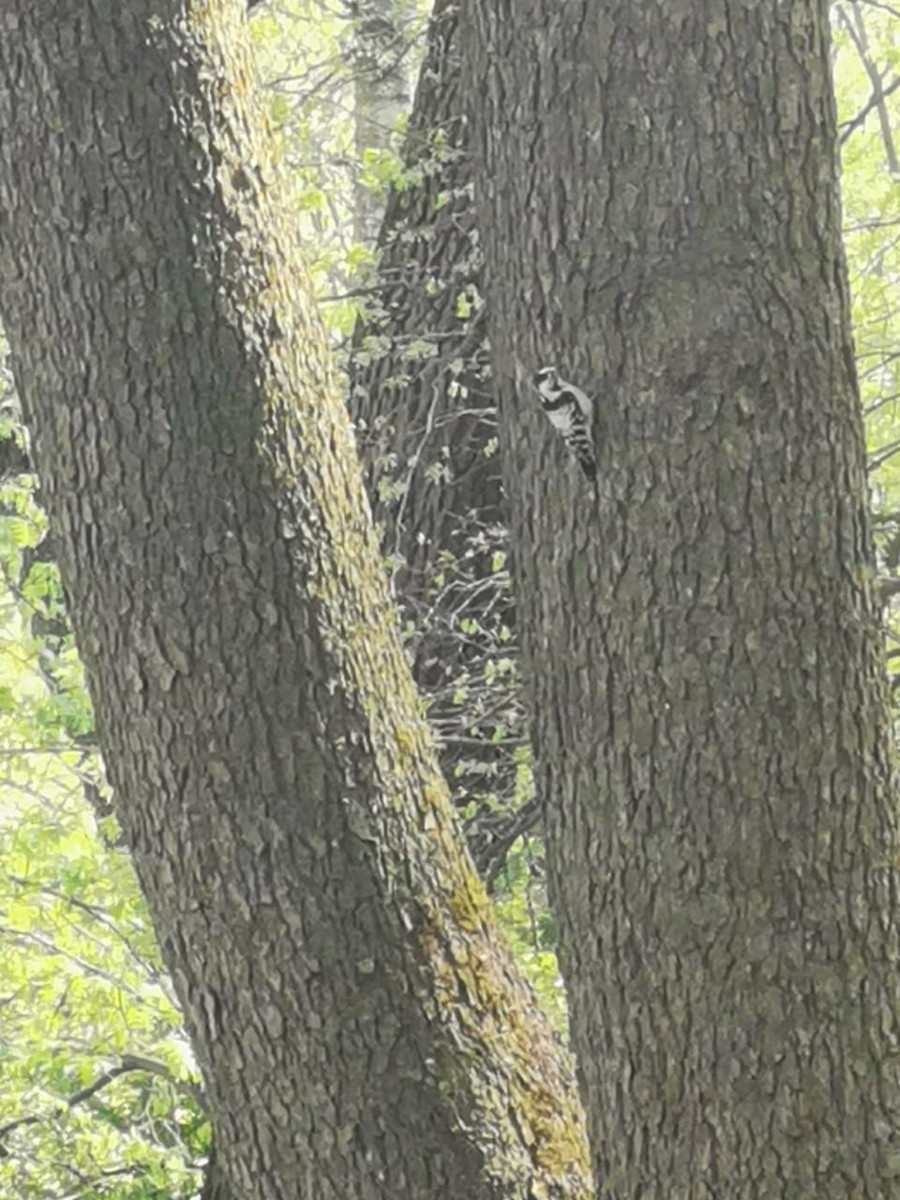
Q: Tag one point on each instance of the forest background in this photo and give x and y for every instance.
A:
(101, 1096)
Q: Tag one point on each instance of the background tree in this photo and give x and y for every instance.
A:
(658, 199)
(355, 1012)
(379, 52)
(421, 394)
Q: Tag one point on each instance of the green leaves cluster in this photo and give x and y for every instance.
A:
(99, 1092)
(867, 81)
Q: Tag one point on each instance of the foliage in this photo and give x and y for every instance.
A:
(100, 1096)
(521, 904)
(867, 76)
(311, 55)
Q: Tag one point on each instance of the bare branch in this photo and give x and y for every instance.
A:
(129, 1063)
(855, 26)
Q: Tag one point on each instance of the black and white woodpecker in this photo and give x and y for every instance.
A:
(569, 410)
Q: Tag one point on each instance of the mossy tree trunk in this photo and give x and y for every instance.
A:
(359, 1024)
(659, 201)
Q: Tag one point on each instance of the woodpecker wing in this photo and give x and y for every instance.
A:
(580, 399)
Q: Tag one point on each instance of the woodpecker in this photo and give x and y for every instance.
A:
(569, 411)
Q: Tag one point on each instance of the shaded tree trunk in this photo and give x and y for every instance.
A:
(422, 398)
(418, 373)
(658, 195)
(358, 1021)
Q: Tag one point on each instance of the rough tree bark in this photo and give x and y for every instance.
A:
(358, 1021)
(658, 196)
(422, 398)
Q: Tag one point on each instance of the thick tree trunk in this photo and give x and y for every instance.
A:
(360, 1026)
(422, 396)
(660, 210)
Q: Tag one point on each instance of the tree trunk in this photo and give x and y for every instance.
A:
(418, 380)
(658, 196)
(377, 51)
(358, 1021)
(422, 397)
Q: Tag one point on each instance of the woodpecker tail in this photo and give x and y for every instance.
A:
(579, 442)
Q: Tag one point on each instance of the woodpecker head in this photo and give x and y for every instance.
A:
(547, 379)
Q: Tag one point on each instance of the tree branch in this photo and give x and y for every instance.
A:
(857, 30)
(129, 1063)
